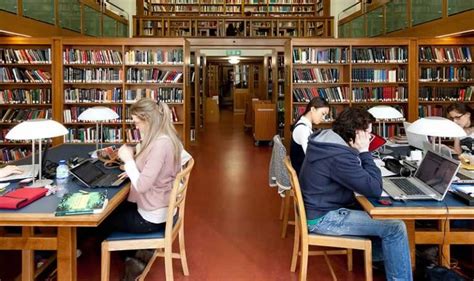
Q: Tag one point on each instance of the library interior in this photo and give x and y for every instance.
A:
(382, 90)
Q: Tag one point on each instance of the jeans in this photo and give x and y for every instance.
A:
(392, 233)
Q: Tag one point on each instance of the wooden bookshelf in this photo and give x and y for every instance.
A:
(352, 72)
(116, 73)
(445, 74)
(242, 26)
(26, 88)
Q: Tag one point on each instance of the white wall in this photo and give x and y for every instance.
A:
(130, 7)
(336, 7)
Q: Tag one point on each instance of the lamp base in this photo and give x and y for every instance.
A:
(41, 183)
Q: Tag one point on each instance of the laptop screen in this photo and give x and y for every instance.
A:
(436, 171)
(87, 172)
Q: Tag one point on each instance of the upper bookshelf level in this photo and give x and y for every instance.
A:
(305, 8)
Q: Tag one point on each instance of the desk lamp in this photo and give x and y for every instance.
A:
(436, 126)
(36, 130)
(97, 114)
(383, 113)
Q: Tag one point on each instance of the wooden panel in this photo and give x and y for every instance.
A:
(240, 96)
(265, 121)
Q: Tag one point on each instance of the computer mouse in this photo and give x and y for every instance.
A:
(386, 202)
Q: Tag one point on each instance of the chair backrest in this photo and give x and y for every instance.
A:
(300, 212)
(177, 199)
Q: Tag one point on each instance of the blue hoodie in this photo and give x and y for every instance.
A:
(332, 171)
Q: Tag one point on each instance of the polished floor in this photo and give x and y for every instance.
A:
(232, 228)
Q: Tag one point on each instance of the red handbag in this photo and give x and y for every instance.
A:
(21, 197)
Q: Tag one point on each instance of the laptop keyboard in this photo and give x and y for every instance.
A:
(406, 186)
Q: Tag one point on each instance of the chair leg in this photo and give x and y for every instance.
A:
(303, 262)
(168, 262)
(286, 214)
(328, 262)
(105, 263)
(296, 248)
(349, 259)
(282, 208)
(182, 252)
(368, 261)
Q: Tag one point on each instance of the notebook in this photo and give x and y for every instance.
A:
(431, 180)
(91, 176)
(414, 140)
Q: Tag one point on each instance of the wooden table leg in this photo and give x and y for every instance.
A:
(67, 263)
(444, 249)
(27, 257)
(410, 224)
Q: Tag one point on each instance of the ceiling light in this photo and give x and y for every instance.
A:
(234, 60)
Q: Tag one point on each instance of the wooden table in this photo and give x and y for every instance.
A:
(433, 210)
(41, 214)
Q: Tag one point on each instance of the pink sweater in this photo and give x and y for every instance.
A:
(157, 173)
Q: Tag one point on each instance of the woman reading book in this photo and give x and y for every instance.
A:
(151, 167)
(462, 115)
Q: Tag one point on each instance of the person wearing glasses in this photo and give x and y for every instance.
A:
(315, 113)
(461, 114)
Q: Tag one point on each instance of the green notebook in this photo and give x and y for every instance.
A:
(80, 203)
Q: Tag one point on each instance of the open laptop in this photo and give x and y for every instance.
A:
(91, 176)
(414, 140)
(29, 171)
(431, 180)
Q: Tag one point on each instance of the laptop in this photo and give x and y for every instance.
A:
(91, 176)
(414, 140)
(29, 171)
(431, 180)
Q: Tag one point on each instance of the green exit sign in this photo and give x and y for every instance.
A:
(233, 52)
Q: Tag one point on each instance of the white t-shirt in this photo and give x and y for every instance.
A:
(301, 133)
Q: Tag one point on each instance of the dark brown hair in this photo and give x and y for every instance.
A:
(461, 108)
(316, 102)
(350, 120)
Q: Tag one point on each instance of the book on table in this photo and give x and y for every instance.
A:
(79, 203)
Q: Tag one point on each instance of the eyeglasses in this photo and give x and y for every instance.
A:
(457, 117)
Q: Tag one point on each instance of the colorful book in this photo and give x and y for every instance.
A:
(80, 203)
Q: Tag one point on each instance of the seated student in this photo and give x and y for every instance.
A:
(461, 114)
(9, 170)
(337, 164)
(315, 112)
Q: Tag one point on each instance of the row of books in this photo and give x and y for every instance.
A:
(153, 75)
(373, 94)
(103, 56)
(8, 115)
(72, 95)
(159, 56)
(318, 55)
(88, 135)
(446, 93)
(445, 54)
(379, 75)
(25, 56)
(380, 55)
(431, 110)
(133, 135)
(391, 130)
(316, 75)
(333, 94)
(25, 96)
(445, 74)
(19, 75)
(13, 154)
(71, 114)
(97, 75)
(174, 95)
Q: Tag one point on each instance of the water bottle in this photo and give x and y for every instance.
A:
(62, 173)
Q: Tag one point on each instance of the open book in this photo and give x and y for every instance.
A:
(80, 203)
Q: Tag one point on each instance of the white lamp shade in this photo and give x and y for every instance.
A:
(36, 129)
(436, 127)
(385, 112)
(98, 113)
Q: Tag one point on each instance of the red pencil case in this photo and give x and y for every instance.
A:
(21, 197)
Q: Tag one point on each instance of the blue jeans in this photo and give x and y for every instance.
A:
(392, 233)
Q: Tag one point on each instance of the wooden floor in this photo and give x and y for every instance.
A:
(231, 227)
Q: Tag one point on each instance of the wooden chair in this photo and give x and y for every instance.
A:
(285, 212)
(161, 242)
(305, 239)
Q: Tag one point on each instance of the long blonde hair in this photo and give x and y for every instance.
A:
(159, 120)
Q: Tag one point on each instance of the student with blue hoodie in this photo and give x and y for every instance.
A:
(337, 164)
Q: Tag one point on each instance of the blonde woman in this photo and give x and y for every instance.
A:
(152, 168)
